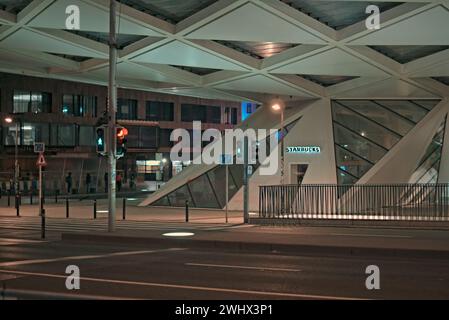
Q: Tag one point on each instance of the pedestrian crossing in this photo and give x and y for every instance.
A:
(89, 225)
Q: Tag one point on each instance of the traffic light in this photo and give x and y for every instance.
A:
(101, 140)
(122, 133)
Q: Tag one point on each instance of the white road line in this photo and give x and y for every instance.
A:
(368, 235)
(187, 287)
(87, 257)
(12, 242)
(240, 267)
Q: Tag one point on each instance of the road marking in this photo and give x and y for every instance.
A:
(87, 257)
(12, 241)
(241, 267)
(187, 287)
(368, 235)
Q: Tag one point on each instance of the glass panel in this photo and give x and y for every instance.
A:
(159, 111)
(162, 202)
(364, 127)
(379, 114)
(22, 100)
(202, 193)
(28, 134)
(405, 108)
(10, 135)
(66, 135)
(236, 170)
(178, 197)
(218, 179)
(344, 178)
(133, 137)
(148, 137)
(357, 144)
(86, 136)
(214, 115)
(428, 104)
(67, 104)
(351, 163)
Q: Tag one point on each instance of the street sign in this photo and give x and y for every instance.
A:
(39, 147)
(41, 160)
(250, 170)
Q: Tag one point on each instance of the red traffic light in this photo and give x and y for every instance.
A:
(122, 133)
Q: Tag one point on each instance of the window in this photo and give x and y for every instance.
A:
(233, 116)
(164, 138)
(86, 136)
(192, 112)
(207, 114)
(35, 132)
(159, 111)
(127, 109)
(79, 106)
(27, 101)
(62, 135)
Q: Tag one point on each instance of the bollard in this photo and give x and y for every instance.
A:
(31, 198)
(56, 196)
(43, 223)
(187, 210)
(124, 208)
(67, 207)
(17, 206)
(95, 209)
(9, 198)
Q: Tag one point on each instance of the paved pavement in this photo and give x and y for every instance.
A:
(160, 272)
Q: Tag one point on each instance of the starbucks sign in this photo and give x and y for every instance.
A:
(304, 149)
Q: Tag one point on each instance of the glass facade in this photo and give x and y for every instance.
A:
(79, 106)
(127, 109)
(159, 111)
(35, 102)
(365, 130)
(429, 166)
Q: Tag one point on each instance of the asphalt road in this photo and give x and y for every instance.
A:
(169, 273)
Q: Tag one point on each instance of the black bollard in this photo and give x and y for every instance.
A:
(56, 196)
(187, 210)
(67, 207)
(31, 197)
(95, 209)
(17, 205)
(124, 208)
(43, 223)
(9, 198)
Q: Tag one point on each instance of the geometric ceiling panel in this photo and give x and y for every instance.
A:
(331, 62)
(14, 6)
(179, 53)
(338, 14)
(389, 88)
(29, 40)
(171, 11)
(326, 80)
(258, 50)
(92, 18)
(405, 54)
(253, 23)
(439, 70)
(123, 40)
(444, 80)
(420, 28)
(132, 70)
(261, 83)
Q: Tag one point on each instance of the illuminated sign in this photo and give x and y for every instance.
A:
(304, 150)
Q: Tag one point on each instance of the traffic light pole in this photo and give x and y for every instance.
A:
(112, 108)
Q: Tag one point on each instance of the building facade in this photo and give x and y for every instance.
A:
(64, 116)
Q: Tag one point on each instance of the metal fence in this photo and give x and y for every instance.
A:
(417, 202)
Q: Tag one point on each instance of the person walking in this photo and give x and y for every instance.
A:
(118, 180)
(69, 181)
(88, 182)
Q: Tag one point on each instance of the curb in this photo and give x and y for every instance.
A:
(256, 247)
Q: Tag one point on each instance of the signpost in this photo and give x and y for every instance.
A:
(226, 160)
(40, 148)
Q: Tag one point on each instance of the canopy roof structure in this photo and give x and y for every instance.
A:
(237, 49)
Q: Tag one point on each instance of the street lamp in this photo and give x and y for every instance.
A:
(10, 120)
(278, 106)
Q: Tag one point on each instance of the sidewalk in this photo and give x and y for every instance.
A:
(298, 240)
(85, 210)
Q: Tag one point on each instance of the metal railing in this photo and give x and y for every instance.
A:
(417, 202)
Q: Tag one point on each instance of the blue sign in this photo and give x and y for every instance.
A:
(226, 159)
